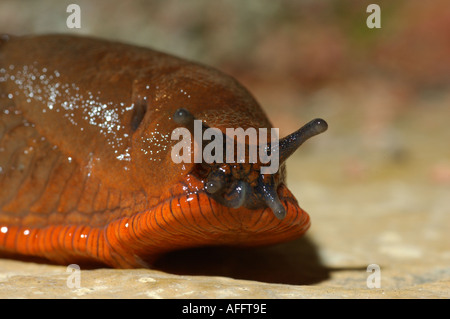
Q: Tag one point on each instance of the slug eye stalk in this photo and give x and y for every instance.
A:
(289, 144)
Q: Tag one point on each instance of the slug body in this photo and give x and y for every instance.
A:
(86, 173)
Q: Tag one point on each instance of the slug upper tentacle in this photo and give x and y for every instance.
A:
(292, 142)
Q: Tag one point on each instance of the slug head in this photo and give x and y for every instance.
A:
(242, 184)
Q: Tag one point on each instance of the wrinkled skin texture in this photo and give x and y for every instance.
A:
(86, 173)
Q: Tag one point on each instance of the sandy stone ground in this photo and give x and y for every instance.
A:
(376, 185)
(365, 210)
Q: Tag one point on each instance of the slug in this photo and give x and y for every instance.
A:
(86, 167)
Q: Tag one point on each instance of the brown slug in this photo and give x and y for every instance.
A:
(86, 172)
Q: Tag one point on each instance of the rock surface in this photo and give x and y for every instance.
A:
(376, 184)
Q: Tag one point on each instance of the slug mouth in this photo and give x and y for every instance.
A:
(196, 219)
(253, 192)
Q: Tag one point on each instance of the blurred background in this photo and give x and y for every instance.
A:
(377, 183)
(299, 59)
